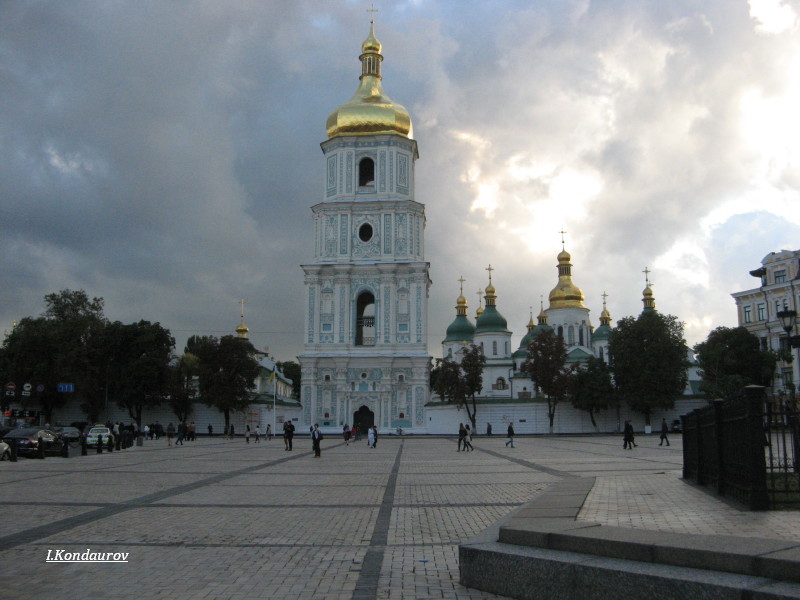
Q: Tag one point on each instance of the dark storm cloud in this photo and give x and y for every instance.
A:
(165, 155)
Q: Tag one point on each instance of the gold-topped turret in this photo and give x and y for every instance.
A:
(242, 329)
(566, 294)
(605, 316)
(648, 299)
(370, 111)
(461, 301)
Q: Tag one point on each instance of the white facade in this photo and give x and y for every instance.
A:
(757, 309)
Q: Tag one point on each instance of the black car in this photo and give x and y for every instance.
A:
(27, 441)
(677, 426)
(71, 434)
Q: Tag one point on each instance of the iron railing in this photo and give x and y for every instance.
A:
(745, 448)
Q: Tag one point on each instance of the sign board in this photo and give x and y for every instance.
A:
(11, 388)
(66, 387)
(26, 389)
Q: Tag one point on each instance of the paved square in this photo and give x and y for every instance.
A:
(219, 518)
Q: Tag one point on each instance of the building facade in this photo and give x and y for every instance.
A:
(757, 310)
(365, 357)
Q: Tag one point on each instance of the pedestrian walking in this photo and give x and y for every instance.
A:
(357, 432)
(192, 431)
(170, 433)
(370, 438)
(664, 432)
(231, 431)
(247, 434)
(628, 442)
(374, 436)
(181, 433)
(510, 435)
(258, 434)
(288, 434)
(210, 430)
(462, 436)
(269, 432)
(488, 429)
(316, 438)
(346, 434)
(468, 439)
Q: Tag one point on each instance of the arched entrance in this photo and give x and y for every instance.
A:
(364, 418)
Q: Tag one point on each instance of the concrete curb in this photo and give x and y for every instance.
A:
(541, 551)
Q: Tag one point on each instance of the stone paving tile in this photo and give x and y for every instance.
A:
(665, 503)
(258, 521)
(467, 493)
(228, 525)
(424, 571)
(441, 525)
(19, 517)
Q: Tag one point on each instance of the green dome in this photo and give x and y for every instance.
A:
(521, 353)
(460, 330)
(491, 320)
(601, 333)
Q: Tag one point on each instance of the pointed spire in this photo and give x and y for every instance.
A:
(242, 329)
(648, 299)
(479, 311)
(491, 297)
(605, 316)
(461, 301)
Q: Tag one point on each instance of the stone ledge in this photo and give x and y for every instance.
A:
(541, 552)
(540, 524)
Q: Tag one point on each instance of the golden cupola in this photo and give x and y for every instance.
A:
(566, 294)
(370, 111)
(242, 330)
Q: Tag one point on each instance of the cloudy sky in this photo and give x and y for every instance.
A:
(165, 155)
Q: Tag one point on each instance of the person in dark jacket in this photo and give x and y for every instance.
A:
(627, 436)
(664, 432)
(316, 438)
(510, 435)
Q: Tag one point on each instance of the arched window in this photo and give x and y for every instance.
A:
(366, 172)
(365, 320)
(561, 332)
(501, 384)
(580, 335)
(570, 335)
(494, 348)
(601, 354)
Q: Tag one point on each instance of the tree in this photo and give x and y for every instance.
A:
(730, 359)
(449, 383)
(226, 372)
(472, 365)
(138, 356)
(182, 386)
(649, 361)
(547, 368)
(292, 370)
(60, 346)
(592, 387)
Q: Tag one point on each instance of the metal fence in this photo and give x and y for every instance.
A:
(745, 448)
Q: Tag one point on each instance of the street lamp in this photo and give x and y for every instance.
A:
(788, 320)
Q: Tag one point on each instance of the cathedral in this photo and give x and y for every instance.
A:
(365, 358)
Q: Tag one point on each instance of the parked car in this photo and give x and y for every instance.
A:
(71, 434)
(94, 432)
(5, 451)
(677, 426)
(27, 441)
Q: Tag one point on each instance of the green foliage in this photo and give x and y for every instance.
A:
(292, 370)
(730, 359)
(649, 364)
(182, 387)
(60, 346)
(449, 383)
(138, 356)
(227, 370)
(547, 368)
(592, 387)
(472, 365)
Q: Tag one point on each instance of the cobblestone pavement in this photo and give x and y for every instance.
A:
(218, 518)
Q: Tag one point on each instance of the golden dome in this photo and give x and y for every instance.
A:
(490, 290)
(370, 111)
(461, 301)
(566, 294)
(647, 292)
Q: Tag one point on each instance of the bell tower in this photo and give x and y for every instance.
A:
(365, 341)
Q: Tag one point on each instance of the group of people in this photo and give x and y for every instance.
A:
(187, 432)
(257, 433)
(464, 438)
